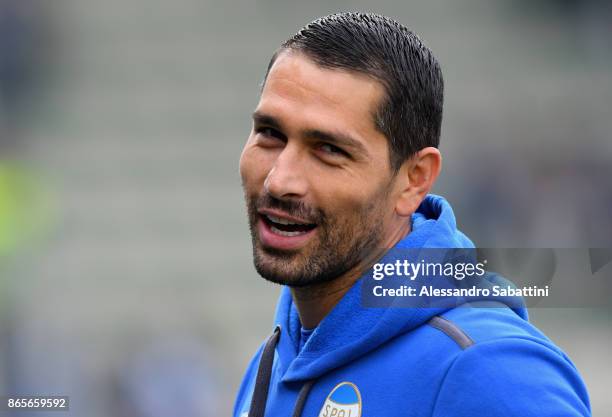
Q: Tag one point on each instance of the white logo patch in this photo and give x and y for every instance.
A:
(343, 401)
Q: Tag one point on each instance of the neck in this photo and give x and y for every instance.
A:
(315, 301)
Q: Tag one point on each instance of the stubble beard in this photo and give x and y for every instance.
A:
(339, 246)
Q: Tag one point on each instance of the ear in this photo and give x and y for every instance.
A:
(416, 177)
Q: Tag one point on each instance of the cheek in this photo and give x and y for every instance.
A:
(351, 203)
(254, 167)
(343, 205)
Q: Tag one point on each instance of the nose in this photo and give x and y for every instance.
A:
(286, 179)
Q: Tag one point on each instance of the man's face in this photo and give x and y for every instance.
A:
(316, 173)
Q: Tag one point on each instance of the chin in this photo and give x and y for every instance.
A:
(276, 266)
(286, 272)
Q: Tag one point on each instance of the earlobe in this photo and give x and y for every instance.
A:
(418, 175)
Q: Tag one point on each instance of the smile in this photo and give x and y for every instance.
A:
(284, 232)
(285, 227)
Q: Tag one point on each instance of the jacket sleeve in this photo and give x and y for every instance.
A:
(512, 377)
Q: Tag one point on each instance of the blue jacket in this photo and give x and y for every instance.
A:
(435, 362)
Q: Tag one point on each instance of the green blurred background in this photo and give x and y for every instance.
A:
(126, 277)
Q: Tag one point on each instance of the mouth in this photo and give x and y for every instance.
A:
(281, 231)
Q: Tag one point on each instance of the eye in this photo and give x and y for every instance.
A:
(330, 149)
(269, 132)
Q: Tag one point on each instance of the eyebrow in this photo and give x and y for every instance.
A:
(264, 119)
(334, 138)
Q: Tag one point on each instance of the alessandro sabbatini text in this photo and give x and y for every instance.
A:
(440, 278)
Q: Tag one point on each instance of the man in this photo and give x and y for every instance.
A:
(336, 172)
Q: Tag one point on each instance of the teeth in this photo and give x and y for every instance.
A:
(279, 220)
(283, 233)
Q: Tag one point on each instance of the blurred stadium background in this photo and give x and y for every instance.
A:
(125, 263)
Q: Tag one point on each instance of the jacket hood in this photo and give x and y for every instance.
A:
(350, 330)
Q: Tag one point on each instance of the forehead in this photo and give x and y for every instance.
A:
(298, 89)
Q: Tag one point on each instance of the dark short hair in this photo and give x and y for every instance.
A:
(410, 115)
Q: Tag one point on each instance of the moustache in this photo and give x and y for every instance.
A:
(293, 208)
